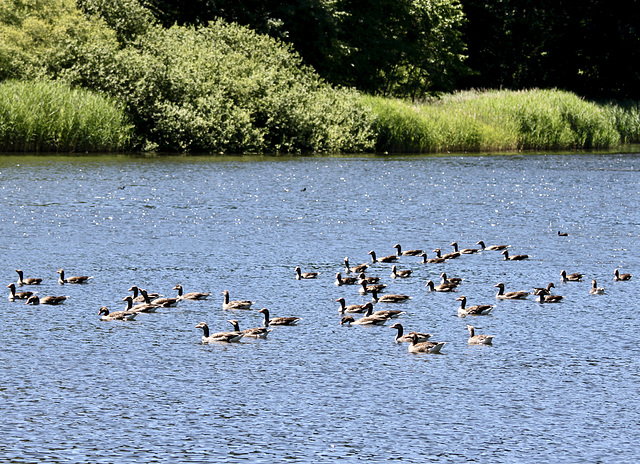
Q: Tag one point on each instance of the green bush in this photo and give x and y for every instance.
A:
(51, 117)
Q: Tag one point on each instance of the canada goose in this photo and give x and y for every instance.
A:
(464, 251)
(224, 337)
(575, 277)
(389, 298)
(190, 295)
(478, 339)
(516, 295)
(384, 259)
(356, 269)
(402, 338)
(507, 257)
(424, 347)
(618, 276)
(453, 255)
(475, 310)
(386, 313)
(368, 288)
(402, 274)
(435, 260)
(50, 300)
(353, 308)
(491, 247)
(542, 298)
(347, 320)
(139, 308)
(256, 332)
(29, 281)
(595, 290)
(139, 298)
(562, 234)
(305, 275)
(17, 295)
(370, 319)
(235, 304)
(369, 280)
(73, 279)
(165, 302)
(546, 291)
(406, 252)
(345, 280)
(278, 320)
(441, 287)
(105, 315)
(450, 280)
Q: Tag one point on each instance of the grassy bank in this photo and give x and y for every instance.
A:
(502, 120)
(42, 116)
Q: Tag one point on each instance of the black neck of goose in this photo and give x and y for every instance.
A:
(343, 306)
(369, 310)
(226, 298)
(373, 257)
(400, 332)
(146, 297)
(266, 319)
(129, 304)
(455, 247)
(463, 303)
(134, 289)
(500, 290)
(472, 332)
(61, 278)
(13, 292)
(179, 291)
(205, 329)
(374, 296)
(236, 326)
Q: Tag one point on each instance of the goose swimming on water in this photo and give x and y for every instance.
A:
(235, 304)
(48, 300)
(515, 295)
(492, 247)
(105, 315)
(575, 277)
(543, 298)
(475, 310)
(305, 275)
(443, 287)
(17, 295)
(224, 337)
(353, 308)
(256, 332)
(356, 269)
(464, 251)
(424, 347)
(617, 276)
(29, 281)
(407, 252)
(401, 337)
(345, 280)
(478, 339)
(73, 279)
(190, 295)
(435, 260)
(278, 320)
(402, 274)
(389, 298)
(595, 290)
(508, 257)
(384, 259)
(140, 307)
(546, 291)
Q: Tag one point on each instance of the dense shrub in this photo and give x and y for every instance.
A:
(50, 116)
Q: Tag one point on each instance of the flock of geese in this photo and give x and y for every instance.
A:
(141, 301)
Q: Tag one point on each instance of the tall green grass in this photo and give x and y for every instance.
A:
(45, 116)
(494, 121)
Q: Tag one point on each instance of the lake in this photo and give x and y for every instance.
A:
(559, 383)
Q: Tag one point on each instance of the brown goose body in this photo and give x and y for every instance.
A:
(617, 276)
(72, 279)
(140, 307)
(508, 257)
(165, 302)
(575, 277)
(235, 304)
(105, 315)
(305, 275)
(17, 295)
(595, 290)
(256, 332)
(450, 280)
(369, 288)
(369, 280)
(190, 295)
(464, 251)
(492, 247)
(435, 260)
(545, 290)
(355, 269)
(400, 273)
(48, 300)
(28, 281)
(399, 251)
(278, 320)
(441, 287)
(218, 337)
(353, 308)
(542, 298)
(516, 295)
(138, 297)
(384, 259)
(475, 310)
(401, 337)
(424, 347)
(478, 339)
(389, 297)
(345, 280)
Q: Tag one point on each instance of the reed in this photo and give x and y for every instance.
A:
(493, 121)
(46, 116)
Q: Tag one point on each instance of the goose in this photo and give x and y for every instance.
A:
(406, 252)
(235, 304)
(435, 260)
(347, 320)
(345, 280)
(491, 247)
(575, 277)
(224, 337)
(278, 320)
(389, 298)
(618, 276)
(595, 290)
(450, 280)
(424, 347)
(73, 279)
(369, 279)
(369, 319)
(384, 259)
(139, 298)
(546, 290)
(475, 310)
(50, 300)
(139, 308)
(105, 315)
(305, 275)
(353, 308)
(562, 234)
(402, 274)
(256, 332)
(356, 269)
(17, 295)
(453, 255)
(542, 298)
(516, 295)
(464, 251)
(440, 288)
(165, 302)
(29, 281)
(190, 295)
(386, 313)
(478, 339)
(508, 257)
(402, 338)
(368, 288)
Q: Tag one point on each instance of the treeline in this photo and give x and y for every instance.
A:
(305, 76)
